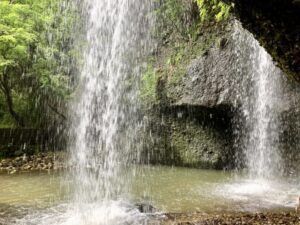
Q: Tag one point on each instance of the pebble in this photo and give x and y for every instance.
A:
(42, 161)
(232, 219)
(13, 171)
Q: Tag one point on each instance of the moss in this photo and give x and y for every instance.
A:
(213, 10)
(184, 37)
(180, 140)
(175, 54)
(195, 146)
(6, 121)
(148, 85)
(223, 13)
(176, 17)
(171, 66)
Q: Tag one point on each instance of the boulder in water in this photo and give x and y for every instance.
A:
(145, 208)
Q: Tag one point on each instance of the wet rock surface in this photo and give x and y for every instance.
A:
(214, 87)
(145, 208)
(213, 80)
(276, 24)
(183, 139)
(233, 219)
(40, 161)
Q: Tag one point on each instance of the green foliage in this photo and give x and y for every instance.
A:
(148, 86)
(17, 34)
(213, 9)
(184, 18)
(177, 16)
(34, 78)
(186, 29)
(10, 150)
(176, 56)
(6, 119)
(174, 61)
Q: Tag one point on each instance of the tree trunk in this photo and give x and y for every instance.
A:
(6, 89)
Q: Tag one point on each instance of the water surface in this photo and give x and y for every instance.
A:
(41, 198)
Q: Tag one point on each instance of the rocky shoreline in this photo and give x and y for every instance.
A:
(39, 162)
(232, 219)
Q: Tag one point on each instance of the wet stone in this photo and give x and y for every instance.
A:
(145, 208)
(232, 219)
(43, 161)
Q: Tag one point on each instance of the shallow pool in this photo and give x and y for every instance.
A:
(46, 198)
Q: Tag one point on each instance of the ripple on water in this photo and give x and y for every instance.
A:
(32, 199)
(109, 213)
(260, 194)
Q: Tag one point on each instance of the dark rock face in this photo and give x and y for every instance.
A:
(276, 24)
(191, 136)
(217, 79)
(196, 128)
(213, 81)
(209, 80)
(289, 140)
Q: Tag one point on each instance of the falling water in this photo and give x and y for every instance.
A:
(261, 105)
(105, 114)
(263, 153)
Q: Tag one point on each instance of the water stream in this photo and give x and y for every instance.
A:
(105, 132)
(43, 199)
(261, 104)
(105, 114)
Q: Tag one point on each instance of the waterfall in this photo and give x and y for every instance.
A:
(259, 94)
(105, 111)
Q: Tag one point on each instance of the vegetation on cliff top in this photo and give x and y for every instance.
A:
(186, 29)
(213, 9)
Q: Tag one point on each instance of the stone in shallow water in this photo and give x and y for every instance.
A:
(145, 208)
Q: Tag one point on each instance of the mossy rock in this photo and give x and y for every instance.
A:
(197, 146)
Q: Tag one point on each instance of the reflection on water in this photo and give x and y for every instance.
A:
(34, 189)
(41, 198)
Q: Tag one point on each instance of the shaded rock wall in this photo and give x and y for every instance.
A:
(276, 25)
(200, 118)
(191, 136)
